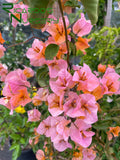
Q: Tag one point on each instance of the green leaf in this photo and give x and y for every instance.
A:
(91, 7)
(118, 66)
(13, 146)
(72, 3)
(102, 125)
(38, 12)
(51, 51)
(42, 76)
(15, 136)
(1, 120)
(16, 152)
(22, 141)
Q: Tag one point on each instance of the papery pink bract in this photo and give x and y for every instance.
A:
(33, 115)
(85, 78)
(3, 72)
(63, 82)
(88, 154)
(28, 72)
(14, 81)
(36, 54)
(2, 49)
(48, 24)
(72, 105)
(79, 133)
(88, 108)
(63, 130)
(5, 102)
(55, 104)
(82, 27)
(55, 66)
(40, 155)
(46, 128)
(110, 82)
(42, 95)
(60, 144)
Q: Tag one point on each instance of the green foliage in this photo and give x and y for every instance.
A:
(17, 129)
(35, 14)
(91, 8)
(101, 13)
(104, 48)
(15, 57)
(51, 51)
(72, 3)
(42, 76)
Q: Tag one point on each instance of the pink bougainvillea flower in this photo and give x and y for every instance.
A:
(28, 72)
(12, 1)
(88, 154)
(88, 108)
(33, 115)
(79, 133)
(97, 92)
(82, 44)
(5, 102)
(110, 82)
(14, 81)
(60, 144)
(48, 126)
(48, 24)
(3, 72)
(72, 105)
(55, 66)
(40, 155)
(57, 30)
(63, 82)
(42, 95)
(55, 104)
(82, 27)
(85, 78)
(2, 49)
(63, 130)
(17, 10)
(21, 98)
(36, 54)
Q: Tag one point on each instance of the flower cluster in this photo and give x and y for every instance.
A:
(71, 96)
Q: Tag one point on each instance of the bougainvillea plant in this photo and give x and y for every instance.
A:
(67, 101)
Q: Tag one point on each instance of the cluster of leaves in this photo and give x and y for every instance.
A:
(16, 129)
(104, 48)
(14, 57)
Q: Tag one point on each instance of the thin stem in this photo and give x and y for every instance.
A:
(66, 37)
(100, 142)
(13, 45)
